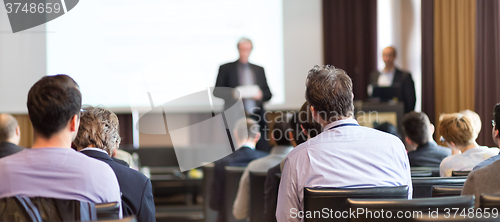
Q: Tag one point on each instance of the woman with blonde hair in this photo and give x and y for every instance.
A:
(458, 133)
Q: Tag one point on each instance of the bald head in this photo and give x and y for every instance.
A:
(389, 55)
(9, 129)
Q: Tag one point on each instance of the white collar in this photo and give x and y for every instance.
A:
(248, 144)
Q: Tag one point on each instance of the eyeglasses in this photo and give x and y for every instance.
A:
(493, 123)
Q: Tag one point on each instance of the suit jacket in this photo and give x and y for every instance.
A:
(7, 149)
(137, 194)
(405, 81)
(240, 157)
(428, 155)
(271, 187)
(484, 180)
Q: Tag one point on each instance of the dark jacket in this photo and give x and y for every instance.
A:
(240, 157)
(7, 149)
(271, 187)
(405, 81)
(428, 155)
(137, 194)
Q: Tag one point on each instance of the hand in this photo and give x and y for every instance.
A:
(258, 96)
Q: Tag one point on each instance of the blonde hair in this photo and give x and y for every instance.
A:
(475, 120)
(456, 128)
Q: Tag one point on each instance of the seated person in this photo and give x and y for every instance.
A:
(51, 168)
(98, 136)
(10, 134)
(283, 146)
(458, 133)
(386, 127)
(240, 157)
(345, 154)
(476, 124)
(494, 134)
(486, 179)
(303, 128)
(424, 150)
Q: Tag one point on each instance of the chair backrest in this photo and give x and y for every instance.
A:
(416, 207)
(208, 177)
(422, 186)
(126, 219)
(418, 173)
(233, 176)
(489, 201)
(257, 180)
(434, 170)
(446, 191)
(460, 173)
(315, 199)
(108, 211)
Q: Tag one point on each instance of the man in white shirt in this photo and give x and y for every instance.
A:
(344, 155)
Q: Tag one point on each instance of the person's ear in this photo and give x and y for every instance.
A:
(18, 131)
(74, 123)
(408, 141)
(304, 130)
(257, 137)
(292, 139)
(432, 128)
(316, 115)
(497, 134)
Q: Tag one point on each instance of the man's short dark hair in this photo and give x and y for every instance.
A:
(329, 91)
(306, 120)
(280, 133)
(52, 102)
(496, 115)
(416, 126)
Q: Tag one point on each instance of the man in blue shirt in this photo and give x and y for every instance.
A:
(344, 155)
(496, 138)
(51, 168)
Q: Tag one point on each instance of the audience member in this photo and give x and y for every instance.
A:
(240, 157)
(495, 136)
(125, 157)
(10, 134)
(486, 178)
(344, 154)
(458, 133)
(280, 135)
(476, 125)
(98, 136)
(387, 127)
(418, 130)
(303, 128)
(51, 168)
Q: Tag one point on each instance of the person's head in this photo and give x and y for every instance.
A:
(417, 128)
(476, 121)
(387, 127)
(9, 129)
(281, 133)
(54, 104)
(307, 123)
(99, 128)
(456, 130)
(496, 119)
(246, 130)
(389, 55)
(245, 47)
(329, 93)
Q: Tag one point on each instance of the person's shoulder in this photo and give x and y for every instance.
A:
(487, 170)
(228, 64)
(128, 172)
(441, 149)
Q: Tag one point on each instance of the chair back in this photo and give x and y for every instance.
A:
(208, 177)
(434, 170)
(418, 173)
(489, 201)
(446, 191)
(416, 207)
(422, 186)
(108, 211)
(233, 176)
(257, 180)
(460, 173)
(315, 199)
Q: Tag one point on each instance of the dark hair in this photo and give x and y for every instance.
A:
(329, 91)
(280, 133)
(496, 115)
(416, 126)
(52, 102)
(306, 120)
(297, 133)
(387, 127)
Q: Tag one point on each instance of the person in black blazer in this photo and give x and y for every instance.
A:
(10, 134)
(241, 157)
(240, 73)
(400, 78)
(423, 151)
(97, 136)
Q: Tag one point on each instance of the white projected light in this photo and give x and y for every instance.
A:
(177, 46)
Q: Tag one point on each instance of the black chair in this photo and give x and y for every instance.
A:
(406, 210)
(489, 201)
(446, 191)
(421, 173)
(208, 177)
(316, 199)
(108, 211)
(422, 186)
(126, 219)
(257, 180)
(434, 170)
(460, 173)
(233, 176)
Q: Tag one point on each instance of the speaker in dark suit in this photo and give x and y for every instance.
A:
(243, 73)
(137, 194)
(7, 149)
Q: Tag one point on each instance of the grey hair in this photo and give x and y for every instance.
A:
(243, 40)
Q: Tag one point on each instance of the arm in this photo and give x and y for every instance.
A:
(288, 200)
(240, 206)
(409, 93)
(469, 188)
(271, 194)
(147, 207)
(266, 92)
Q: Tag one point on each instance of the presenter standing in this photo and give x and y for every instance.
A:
(250, 81)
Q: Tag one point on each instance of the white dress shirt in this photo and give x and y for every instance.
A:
(466, 160)
(385, 78)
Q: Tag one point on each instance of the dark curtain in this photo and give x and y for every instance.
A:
(487, 76)
(126, 128)
(350, 39)
(428, 106)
